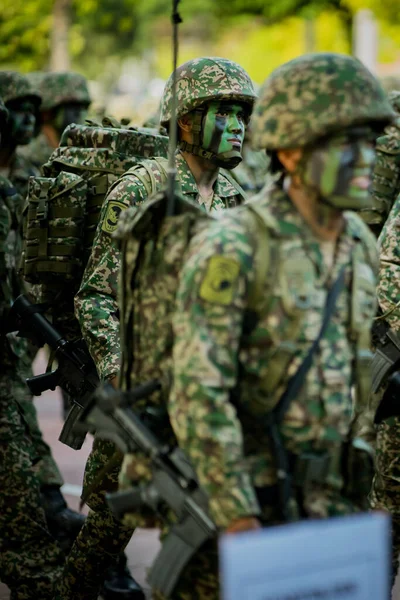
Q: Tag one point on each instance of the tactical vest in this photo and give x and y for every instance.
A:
(63, 206)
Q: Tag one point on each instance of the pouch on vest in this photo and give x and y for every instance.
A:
(53, 228)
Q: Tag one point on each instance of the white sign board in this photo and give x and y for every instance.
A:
(336, 559)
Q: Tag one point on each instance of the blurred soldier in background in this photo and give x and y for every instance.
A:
(65, 99)
(22, 104)
(30, 559)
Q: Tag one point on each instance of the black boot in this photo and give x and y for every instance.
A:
(64, 524)
(119, 583)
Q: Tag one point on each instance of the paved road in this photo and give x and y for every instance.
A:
(144, 544)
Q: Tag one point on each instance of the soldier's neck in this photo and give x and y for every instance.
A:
(51, 135)
(325, 221)
(204, 172)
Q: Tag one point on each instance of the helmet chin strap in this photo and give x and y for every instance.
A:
(226, 160)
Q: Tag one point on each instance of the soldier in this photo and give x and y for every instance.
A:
(262, 398)
(30, 559)
(65, 100)
(22, 103)
(385, 494)
(386, 179)
(215, 97)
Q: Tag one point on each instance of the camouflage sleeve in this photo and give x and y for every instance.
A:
(207, 326)
(96, 306)
(385, 493)
(389, 268)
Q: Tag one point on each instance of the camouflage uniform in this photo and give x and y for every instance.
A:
(385, 493)
(231, 365)
(199, 81)
(30, 560)
(386, 180)
(14, 87)
(56, 90)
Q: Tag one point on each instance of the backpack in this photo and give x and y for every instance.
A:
(63, 206)
(153, 249)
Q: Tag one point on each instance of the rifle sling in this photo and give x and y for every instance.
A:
(294, 386)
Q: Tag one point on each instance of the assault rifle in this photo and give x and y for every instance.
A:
(76, 373)
(173, 485)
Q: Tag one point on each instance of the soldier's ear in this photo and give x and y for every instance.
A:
(289, 158)
(186, 123)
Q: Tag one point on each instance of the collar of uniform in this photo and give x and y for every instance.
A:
(222, 187)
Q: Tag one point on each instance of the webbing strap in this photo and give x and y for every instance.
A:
(33, 233)
(296, 382)
(381, 170)
(57, 212)
(55, 266)
(54, 250)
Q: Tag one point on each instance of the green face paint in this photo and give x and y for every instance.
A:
(223, 129)
(340, 169)
(22, 122)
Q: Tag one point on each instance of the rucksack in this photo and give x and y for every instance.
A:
(63, 206)
(153, 250)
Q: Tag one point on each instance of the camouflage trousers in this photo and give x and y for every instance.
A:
(102, 538)
(385, 493)
(30, 559)
(46, 468)
(200, 580)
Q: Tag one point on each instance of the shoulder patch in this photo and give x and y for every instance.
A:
(219, 281)
(114, 209)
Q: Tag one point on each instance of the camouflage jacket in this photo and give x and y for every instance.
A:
(96, 305)
(389, 268)
(37, 152)
(386, 178)
(219, 350)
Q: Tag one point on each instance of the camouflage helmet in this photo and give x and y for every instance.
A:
(14, 86)
(313, 96)
(202, 80)
(61, 88)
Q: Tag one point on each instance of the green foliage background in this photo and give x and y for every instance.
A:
(260, 34)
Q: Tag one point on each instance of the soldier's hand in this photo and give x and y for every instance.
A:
(243, 524)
